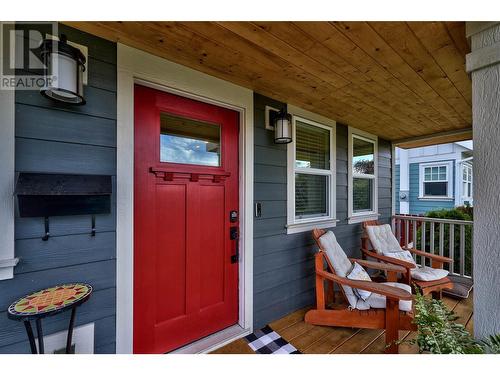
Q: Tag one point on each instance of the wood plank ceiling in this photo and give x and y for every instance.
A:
(398, 80)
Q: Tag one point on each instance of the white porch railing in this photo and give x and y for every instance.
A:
(445, 237)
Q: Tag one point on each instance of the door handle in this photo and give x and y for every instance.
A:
(235, 236)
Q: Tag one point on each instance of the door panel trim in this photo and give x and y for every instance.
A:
(139, 67)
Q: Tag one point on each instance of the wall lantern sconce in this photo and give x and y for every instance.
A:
(282, 127)
(65, 66)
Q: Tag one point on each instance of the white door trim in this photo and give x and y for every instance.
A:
(137, 66)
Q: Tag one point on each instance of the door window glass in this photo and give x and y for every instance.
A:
(188, 141)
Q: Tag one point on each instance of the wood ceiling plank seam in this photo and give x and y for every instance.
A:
(445, 54)
(456, 30)
(354, 89)
(347, 102)
(276, 82)
(375, 70)
(409, 77)
(154, 50)
(198, 31)
(262, 38)
(432, 76)
(457, 99)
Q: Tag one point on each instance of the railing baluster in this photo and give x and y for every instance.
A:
(472, 249)
(462, 250)
(441, 238)
(422, 244)
(398, 230)
(431, 238)
(407, 232)
(414, 239)
(452, 247)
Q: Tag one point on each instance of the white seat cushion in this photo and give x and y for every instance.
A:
(404, 255)
(378, 301)
(340, 263)
(428, 273)
(382, 239)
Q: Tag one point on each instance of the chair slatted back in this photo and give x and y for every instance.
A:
(365, 240)
(317, 233)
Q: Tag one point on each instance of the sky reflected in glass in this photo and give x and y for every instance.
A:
(175, 149)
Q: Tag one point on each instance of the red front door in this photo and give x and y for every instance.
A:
(185, 210)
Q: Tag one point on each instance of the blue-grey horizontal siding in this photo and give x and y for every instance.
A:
(421, 206)
(283, 264)
(53, 137)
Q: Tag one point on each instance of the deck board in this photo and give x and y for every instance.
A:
(310, 339)
(328, 343)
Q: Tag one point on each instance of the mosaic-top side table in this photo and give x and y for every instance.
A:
(47, 302)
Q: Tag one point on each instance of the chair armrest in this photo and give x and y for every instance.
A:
(383, 258)
(385, 290)
(435, 257)
(379, 265)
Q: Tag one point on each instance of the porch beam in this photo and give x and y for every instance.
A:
(434, 139)
(484, 66)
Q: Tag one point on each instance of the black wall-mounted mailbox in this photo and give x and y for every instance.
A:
(44, 195)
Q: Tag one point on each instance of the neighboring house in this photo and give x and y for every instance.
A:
(433, 177)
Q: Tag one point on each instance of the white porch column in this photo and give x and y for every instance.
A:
(484, 65)
(404, 181)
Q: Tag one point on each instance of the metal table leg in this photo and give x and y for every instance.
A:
(31, 337)
(70, 330)
(39, 333)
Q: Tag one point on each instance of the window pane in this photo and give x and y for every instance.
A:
(362, 194)
(362, 156)
(312, 146)
(436, 188)
(442, 176)
(311, 195)
(427, 172)
(189, 141)
(435, 173)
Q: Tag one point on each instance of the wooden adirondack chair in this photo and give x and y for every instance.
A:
(426, 287)
(389, 318)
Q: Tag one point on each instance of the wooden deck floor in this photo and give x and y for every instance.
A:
(311, 339)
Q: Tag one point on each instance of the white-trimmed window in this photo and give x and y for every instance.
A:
(467, 182)
(363, 172)
(311, 174)
(436, 180)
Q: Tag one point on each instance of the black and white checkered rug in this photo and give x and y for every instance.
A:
(267, 341)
